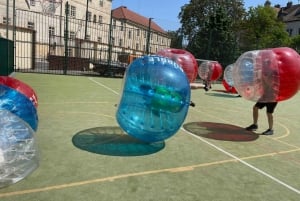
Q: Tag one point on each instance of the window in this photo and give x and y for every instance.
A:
(99, 39)
(122, 26)
(290, 31)
(114, 23)
(120, 42)
(53, 45)
(32, 2)
(88, 37)
(73, 11)
(89, 16)
(70, 52)
(30, 25)
(112, 41)
(129, 34)
(51, 31)
(138, 32)
(100, 19)
(72, 35)
(5, 20)
(137, 46)
(101, 3)
(95, 19)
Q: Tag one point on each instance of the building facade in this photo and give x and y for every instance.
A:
(77, 28)
(290, 15)
(132, 32)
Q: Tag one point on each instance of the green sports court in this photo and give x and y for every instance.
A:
(85, 156)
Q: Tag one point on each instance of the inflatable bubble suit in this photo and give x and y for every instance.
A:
(228, 75)
(20, 87)
(228, 80)
(210, 70)
(185, 59)
(155, 99)
(18, 152)
(18, 123)
(18, 104)
(268, 75)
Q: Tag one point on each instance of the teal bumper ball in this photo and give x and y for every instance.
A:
(155, 99)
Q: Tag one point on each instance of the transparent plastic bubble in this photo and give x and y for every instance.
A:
(268, 75)
(155, 99)
(184, 58)
(18, 151)
(256, 76)
(210, 70)
(228, 75)
(228, 79)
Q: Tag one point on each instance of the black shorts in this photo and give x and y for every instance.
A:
(270, 106)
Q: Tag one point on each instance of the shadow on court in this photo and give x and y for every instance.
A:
(222, 93)
(219, 131)
(114, 142)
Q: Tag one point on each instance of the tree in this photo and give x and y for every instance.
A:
(263, 29)
(295, 43)
(211, 28)
(176, 39)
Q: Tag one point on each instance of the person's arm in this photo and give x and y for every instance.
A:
(197, 86)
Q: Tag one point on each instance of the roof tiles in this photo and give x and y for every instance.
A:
(122, 13)
(290, 13)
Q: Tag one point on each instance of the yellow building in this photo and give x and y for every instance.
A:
(77, 29)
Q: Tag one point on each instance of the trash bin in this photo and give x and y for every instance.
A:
(6, 56)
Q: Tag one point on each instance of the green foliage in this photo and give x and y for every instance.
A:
(176, 39)
(262, 29)
(295, 43)
(222, 29)
(211, 28)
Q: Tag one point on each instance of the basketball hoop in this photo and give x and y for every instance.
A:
(49, 6)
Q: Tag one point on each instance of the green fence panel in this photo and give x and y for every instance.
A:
(6, 56)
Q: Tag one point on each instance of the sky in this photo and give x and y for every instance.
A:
(165, 12)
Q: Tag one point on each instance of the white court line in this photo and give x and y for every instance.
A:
(244, 162)
(102, 85)
(223, 151)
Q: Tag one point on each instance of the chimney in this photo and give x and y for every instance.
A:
(267, 3)
(277, 6)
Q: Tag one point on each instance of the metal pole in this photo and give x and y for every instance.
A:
(14, 31)
(86, 18)
(148, 36)
(66, 37)
(7, 17)
(110, 39)
(60, 20)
